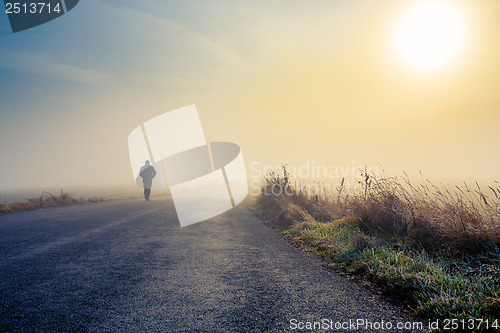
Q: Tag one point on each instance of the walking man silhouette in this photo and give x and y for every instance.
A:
(147, 174)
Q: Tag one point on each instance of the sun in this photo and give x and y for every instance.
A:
(430, 34)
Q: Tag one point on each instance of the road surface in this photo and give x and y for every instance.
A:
(127, 266)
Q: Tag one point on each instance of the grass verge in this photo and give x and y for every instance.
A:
(438, 255)
(45, 200)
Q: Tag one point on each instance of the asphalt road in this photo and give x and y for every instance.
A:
(127, 266)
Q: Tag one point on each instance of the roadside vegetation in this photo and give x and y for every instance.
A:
(45, 200)
(435, 249)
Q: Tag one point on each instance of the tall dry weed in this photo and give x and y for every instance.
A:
(452, 221)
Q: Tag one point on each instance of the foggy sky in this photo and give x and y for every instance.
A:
(289, 81)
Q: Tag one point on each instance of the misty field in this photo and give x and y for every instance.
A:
(435, 249)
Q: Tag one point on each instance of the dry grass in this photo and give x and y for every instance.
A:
(450, 221)
(45, 200)
(435, 249)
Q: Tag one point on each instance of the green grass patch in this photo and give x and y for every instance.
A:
(433, 287)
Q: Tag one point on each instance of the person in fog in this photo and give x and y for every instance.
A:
(147, 174)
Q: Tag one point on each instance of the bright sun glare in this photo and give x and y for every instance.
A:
(430, 34)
